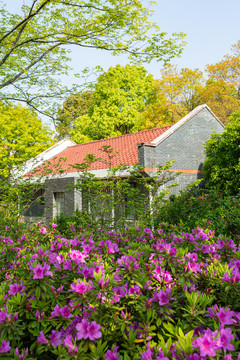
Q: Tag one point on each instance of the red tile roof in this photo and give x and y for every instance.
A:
(125, 145)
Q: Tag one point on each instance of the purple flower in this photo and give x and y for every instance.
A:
(86, 330)
(13, 289)
(5, 347)
(102, 283)
(3, 316)
(161, 356)
(24, 354)
(79, 287)
(225, 339)
(65, 312)
(207, 344)
(72, 350)
(38, 272)
(112, 355)
(163, 297)
(82, 330)
(93, 331)
(147, 355)
(41, 338)
(225, 316)
(56, 312)
(55, 338)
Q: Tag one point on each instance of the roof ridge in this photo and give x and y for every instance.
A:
(120, 136)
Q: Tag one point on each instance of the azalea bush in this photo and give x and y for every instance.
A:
(138, 295)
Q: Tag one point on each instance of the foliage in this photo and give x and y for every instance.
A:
(74, 106)
(23, 136)
(202, 208)
(35, 43)
(157, 112)
(179, 87)
(120, 96)
(222, 98)
(117, 296)
(221, 168)
(228, 69)
(122, 196)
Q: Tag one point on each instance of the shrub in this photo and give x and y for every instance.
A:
(134, 295)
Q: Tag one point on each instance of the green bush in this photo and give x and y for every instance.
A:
(202, 208)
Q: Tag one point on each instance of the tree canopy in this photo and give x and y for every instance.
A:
(74, 106)
(22, 137)
(221, 168)
(35, 44)
(119, 98)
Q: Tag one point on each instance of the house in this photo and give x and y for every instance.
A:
(181, 142)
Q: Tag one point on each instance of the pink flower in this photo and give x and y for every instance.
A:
(71, 348)
(56, 312)
(13, 289)
(82, 330)
(5, 347)
(41, 338)
(112, 355)
(86, 330)
(43, 230)
(55, 338)
(38, 272)
(164, 297)
(93, 331)
(65, 312)
(147, 355)
(225, 338)
(102, 283)
(207, 344)
(225, 316)
(161, 356)
(79, 288)
(54, 226)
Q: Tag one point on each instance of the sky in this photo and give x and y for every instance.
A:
(211, 26)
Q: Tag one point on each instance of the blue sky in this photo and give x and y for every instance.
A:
(211, 26)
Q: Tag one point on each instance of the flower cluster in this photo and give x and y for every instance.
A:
(141, 294)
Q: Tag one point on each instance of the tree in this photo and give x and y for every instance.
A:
(74, 106)
(179, 87)
(222, 98)
(221, 168)
(22, 137)
(228, 69)
(156, 113)
(119, 98)
(35, 44)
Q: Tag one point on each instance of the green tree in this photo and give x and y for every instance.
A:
(157, 112)
(221, 168)
(179, 87)
(119, 98)
(35, 44)
(74, 106)
(22, 136)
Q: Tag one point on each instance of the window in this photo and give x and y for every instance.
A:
(58, 203)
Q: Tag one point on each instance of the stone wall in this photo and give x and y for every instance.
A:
(72, 196)
(185, 146)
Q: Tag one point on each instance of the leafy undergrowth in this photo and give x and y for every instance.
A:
(138, 295)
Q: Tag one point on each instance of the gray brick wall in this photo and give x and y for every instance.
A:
(185, 146)
(60, 185)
